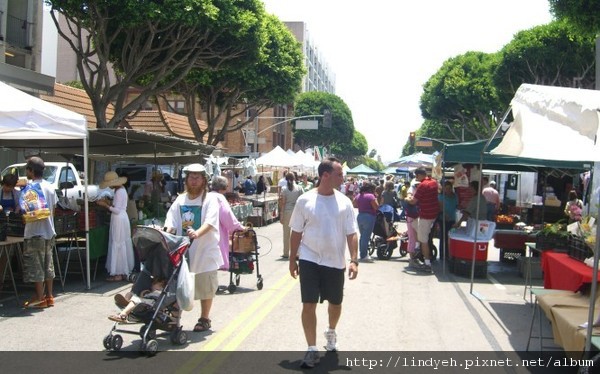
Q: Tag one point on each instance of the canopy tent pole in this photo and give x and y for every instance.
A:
(594, 290)
(86, 210)
(487, 144)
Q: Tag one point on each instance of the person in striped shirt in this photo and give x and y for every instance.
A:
(426, 197)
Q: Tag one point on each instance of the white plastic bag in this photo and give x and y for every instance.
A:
(185, 287)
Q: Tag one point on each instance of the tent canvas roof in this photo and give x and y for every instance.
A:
(570, 115)
(362, 169)
(470, 153)
(119, 144)
(23, 116)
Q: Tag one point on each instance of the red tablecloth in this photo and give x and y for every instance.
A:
(561, 272)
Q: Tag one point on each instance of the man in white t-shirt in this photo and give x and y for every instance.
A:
(282, 183)
(196, 214)
(323, 223)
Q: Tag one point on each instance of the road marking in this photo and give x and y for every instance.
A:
(271, 297)
(495, 282)
(215, 363)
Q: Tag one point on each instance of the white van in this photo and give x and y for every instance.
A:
(140, 174)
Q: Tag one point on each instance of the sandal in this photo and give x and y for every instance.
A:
(118, 318)
(202, 325)
(36, 304)
(115, 278)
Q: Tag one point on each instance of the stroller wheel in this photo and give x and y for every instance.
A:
(384, 251)
(178, 336)
(372, 245)
(231, 288)
(259, 283)
(150, 348)
(116, 343)
(132, 277)
(107, 341)
(151, 333)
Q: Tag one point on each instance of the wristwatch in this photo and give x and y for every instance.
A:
(354, 262)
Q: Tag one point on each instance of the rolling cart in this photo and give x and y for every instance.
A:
(243, 257)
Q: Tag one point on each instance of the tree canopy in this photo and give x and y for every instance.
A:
(462, 95)
(583, 14)
(238, 87)
(342, 125)
(151, 45)
(552, 55)
(351, 151)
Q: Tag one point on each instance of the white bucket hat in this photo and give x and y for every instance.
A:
(194, 168)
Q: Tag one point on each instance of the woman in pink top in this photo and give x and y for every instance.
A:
(367, 205)
(227, 221)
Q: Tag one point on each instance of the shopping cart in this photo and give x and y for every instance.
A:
(243, 257)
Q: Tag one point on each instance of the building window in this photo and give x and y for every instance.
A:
(176, 106)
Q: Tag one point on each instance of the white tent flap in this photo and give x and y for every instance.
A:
(553, 123)
(27, 117)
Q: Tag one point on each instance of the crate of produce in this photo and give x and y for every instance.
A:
(552, 241)
(578, 248)
(65, 221)
(14, 224)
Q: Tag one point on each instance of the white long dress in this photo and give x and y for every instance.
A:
(120, 259)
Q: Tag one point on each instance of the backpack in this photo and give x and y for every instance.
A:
(33, 203)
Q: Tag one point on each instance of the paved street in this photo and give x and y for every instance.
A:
(387, 308)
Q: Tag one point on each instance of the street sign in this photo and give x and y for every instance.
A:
(307, 125)
(424, 143)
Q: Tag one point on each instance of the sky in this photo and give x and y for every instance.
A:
(383, 51)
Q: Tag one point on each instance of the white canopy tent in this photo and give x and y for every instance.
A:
(277, 157)
(556, 123)
(23, 116)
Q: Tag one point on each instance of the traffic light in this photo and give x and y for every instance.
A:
(411, 138)
(327, 118)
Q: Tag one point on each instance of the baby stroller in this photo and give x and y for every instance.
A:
(385, 237)
(162, 255)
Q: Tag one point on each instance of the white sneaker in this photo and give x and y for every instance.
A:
(331, 337)
(366, 259)
(311, 358)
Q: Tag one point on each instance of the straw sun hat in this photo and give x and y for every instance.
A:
(112, 179)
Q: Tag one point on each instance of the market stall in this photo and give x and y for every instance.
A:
(27, 122)
(566, 116)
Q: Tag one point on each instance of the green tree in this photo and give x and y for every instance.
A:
(152, 45)
(552, 55)
(583, 14)
(350, 152)
(342, 128)
(238, 87)
(462, 95)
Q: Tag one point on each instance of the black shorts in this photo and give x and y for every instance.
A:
(319, 283)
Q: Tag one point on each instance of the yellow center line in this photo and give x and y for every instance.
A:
(233, 327)
(215, 363)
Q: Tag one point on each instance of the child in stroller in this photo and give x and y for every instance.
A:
(385, 237)
(130, 300)
(162, 256)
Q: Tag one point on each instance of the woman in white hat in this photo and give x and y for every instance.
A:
(120, 259)
(196, 213)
